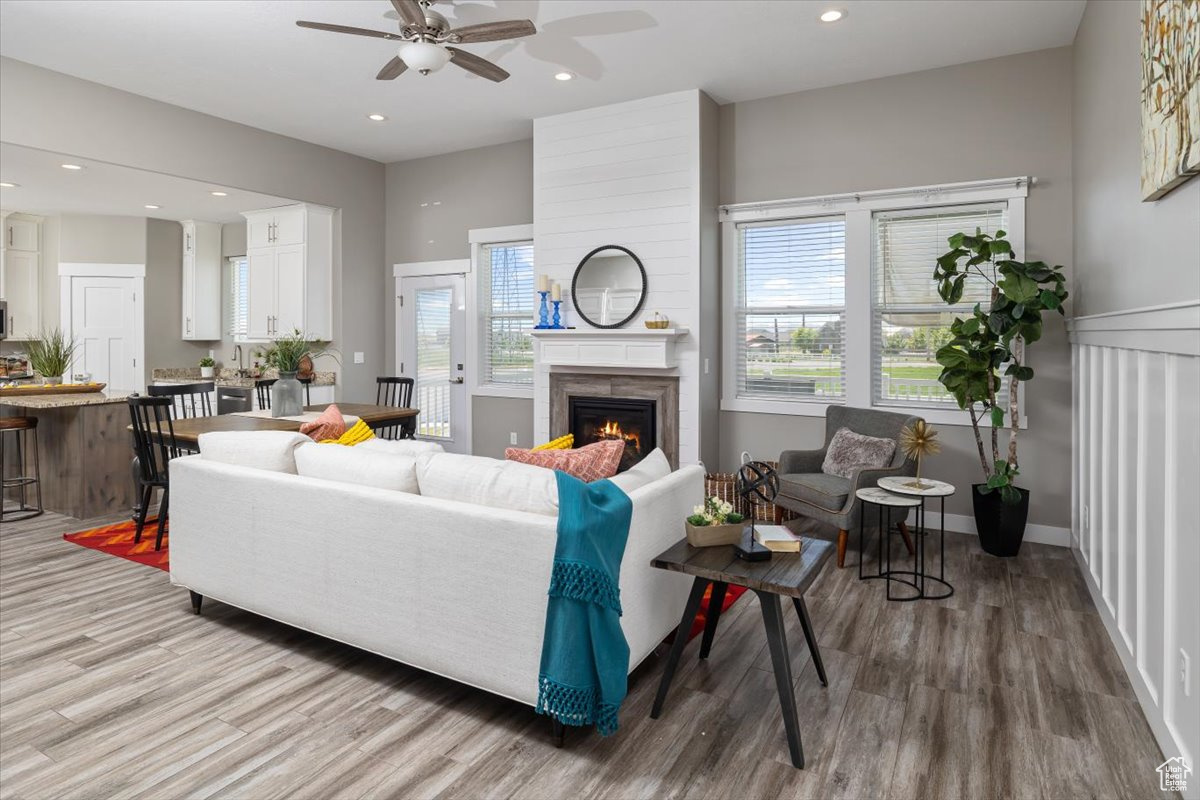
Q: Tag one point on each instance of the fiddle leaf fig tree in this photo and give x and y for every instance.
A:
(992, 341)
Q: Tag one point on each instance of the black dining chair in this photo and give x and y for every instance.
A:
(154, 445)
(262, 388)
(187, 399)
(396, 392)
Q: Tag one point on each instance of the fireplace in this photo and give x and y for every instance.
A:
(597, 419)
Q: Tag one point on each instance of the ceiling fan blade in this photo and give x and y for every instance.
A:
(410, 12)
(494, 31)
(391, 70)
(325, 26)
(480, 66)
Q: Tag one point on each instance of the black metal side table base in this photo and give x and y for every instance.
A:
(773, 624)
(917, 579)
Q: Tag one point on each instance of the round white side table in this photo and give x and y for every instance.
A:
(904, 491)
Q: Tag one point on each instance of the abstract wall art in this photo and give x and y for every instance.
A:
(1170, 56)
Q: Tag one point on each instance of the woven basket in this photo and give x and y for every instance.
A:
(723, 486)
(770, 513)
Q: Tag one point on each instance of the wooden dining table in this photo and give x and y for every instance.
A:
(187, 431)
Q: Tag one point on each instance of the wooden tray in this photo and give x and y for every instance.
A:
(33, 389)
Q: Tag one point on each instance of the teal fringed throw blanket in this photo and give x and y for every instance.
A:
(585, 658)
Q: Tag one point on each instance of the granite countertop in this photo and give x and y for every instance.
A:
(65, 400)
(228, 377)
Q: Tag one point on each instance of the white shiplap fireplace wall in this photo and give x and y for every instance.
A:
(641, 174)
(1136, 516)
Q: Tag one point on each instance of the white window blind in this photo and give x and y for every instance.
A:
(910, 320)
(237, 308)
(506, 293)
(791, 310)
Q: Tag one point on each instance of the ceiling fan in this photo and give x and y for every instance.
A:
(426, 36)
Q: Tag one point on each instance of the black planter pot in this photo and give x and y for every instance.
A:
(1001, 526)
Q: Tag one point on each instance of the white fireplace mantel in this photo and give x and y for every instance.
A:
(618, 347)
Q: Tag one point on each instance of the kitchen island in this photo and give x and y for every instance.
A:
(84, 448)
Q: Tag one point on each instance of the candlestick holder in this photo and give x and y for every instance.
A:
(543, 313)
(557, 315)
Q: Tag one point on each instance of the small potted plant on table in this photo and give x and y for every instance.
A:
(285, 355)
(714, 522)
(206, 367)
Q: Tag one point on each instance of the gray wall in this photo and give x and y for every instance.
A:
(94, 239)
(91, 121)
(1119, 240)
(989, 119)
(482, 188)
(164, 309)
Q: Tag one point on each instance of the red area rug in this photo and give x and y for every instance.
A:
(117, 540)
(732, 593)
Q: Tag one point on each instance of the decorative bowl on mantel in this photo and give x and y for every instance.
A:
(658, 322)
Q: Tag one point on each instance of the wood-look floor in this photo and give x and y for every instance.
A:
(111, 688)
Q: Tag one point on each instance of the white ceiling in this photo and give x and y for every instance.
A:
(248, 62)
(44, 187)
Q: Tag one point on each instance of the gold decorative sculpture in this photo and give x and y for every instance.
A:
(917, 441)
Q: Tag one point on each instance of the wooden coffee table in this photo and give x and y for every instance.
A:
(785, 575)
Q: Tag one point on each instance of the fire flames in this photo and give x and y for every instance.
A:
(612, 430)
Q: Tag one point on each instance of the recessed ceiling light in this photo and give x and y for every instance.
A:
(377, 117)
(833, 15)
(8, 185)
(152, 207)
(219, 194)
(72, 166)
(563, 76)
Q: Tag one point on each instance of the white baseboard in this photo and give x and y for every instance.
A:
(1042, 534)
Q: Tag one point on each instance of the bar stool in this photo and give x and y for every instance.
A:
(19, 429)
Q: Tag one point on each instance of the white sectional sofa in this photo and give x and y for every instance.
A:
(456, 588)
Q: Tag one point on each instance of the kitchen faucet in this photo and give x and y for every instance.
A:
(237, 353)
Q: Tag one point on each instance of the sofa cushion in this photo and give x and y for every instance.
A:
(270, 450)
(824, 491)
(849, 452)
(646, 471)
(589, 463)
(488, 482)
(333, 462)
(401, 447)
(329, 425)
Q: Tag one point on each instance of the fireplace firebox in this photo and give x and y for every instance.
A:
(596, 419)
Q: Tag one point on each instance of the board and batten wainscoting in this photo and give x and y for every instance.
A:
(1136, 501)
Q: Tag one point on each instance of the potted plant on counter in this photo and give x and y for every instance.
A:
(50, 356)
(285, 355)
(207, 364)
(989, 343)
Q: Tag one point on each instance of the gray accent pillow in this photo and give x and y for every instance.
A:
(849, 452)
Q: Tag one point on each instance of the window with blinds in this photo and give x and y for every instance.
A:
(506, 293)
(237, 302)
(791, 310)
(910, 320)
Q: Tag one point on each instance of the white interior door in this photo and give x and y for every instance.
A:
(104, 315)
(431, 319)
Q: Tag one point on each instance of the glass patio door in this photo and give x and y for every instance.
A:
(431, 318)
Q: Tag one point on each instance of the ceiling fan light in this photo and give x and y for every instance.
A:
(424, 57)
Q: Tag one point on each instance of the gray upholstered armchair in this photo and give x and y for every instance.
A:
(808, 491)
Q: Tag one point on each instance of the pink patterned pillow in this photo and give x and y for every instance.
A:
(589, 463)
(329, 425)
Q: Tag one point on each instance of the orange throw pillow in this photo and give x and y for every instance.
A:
(329, 425)
(590, 463)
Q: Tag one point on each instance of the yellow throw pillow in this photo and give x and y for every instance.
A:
(358, 433)
(561, 443)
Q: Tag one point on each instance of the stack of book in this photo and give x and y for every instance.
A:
(777, 538)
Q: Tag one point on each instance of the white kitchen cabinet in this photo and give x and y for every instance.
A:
(21, 234)
(21, 275)
(201, 282)
(289, 258)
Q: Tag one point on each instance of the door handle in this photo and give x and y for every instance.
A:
(456, 380)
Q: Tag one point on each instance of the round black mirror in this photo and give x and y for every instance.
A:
(609, 287)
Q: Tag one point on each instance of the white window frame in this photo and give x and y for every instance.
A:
(857, 208)
(231, 303)
(479, 238)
